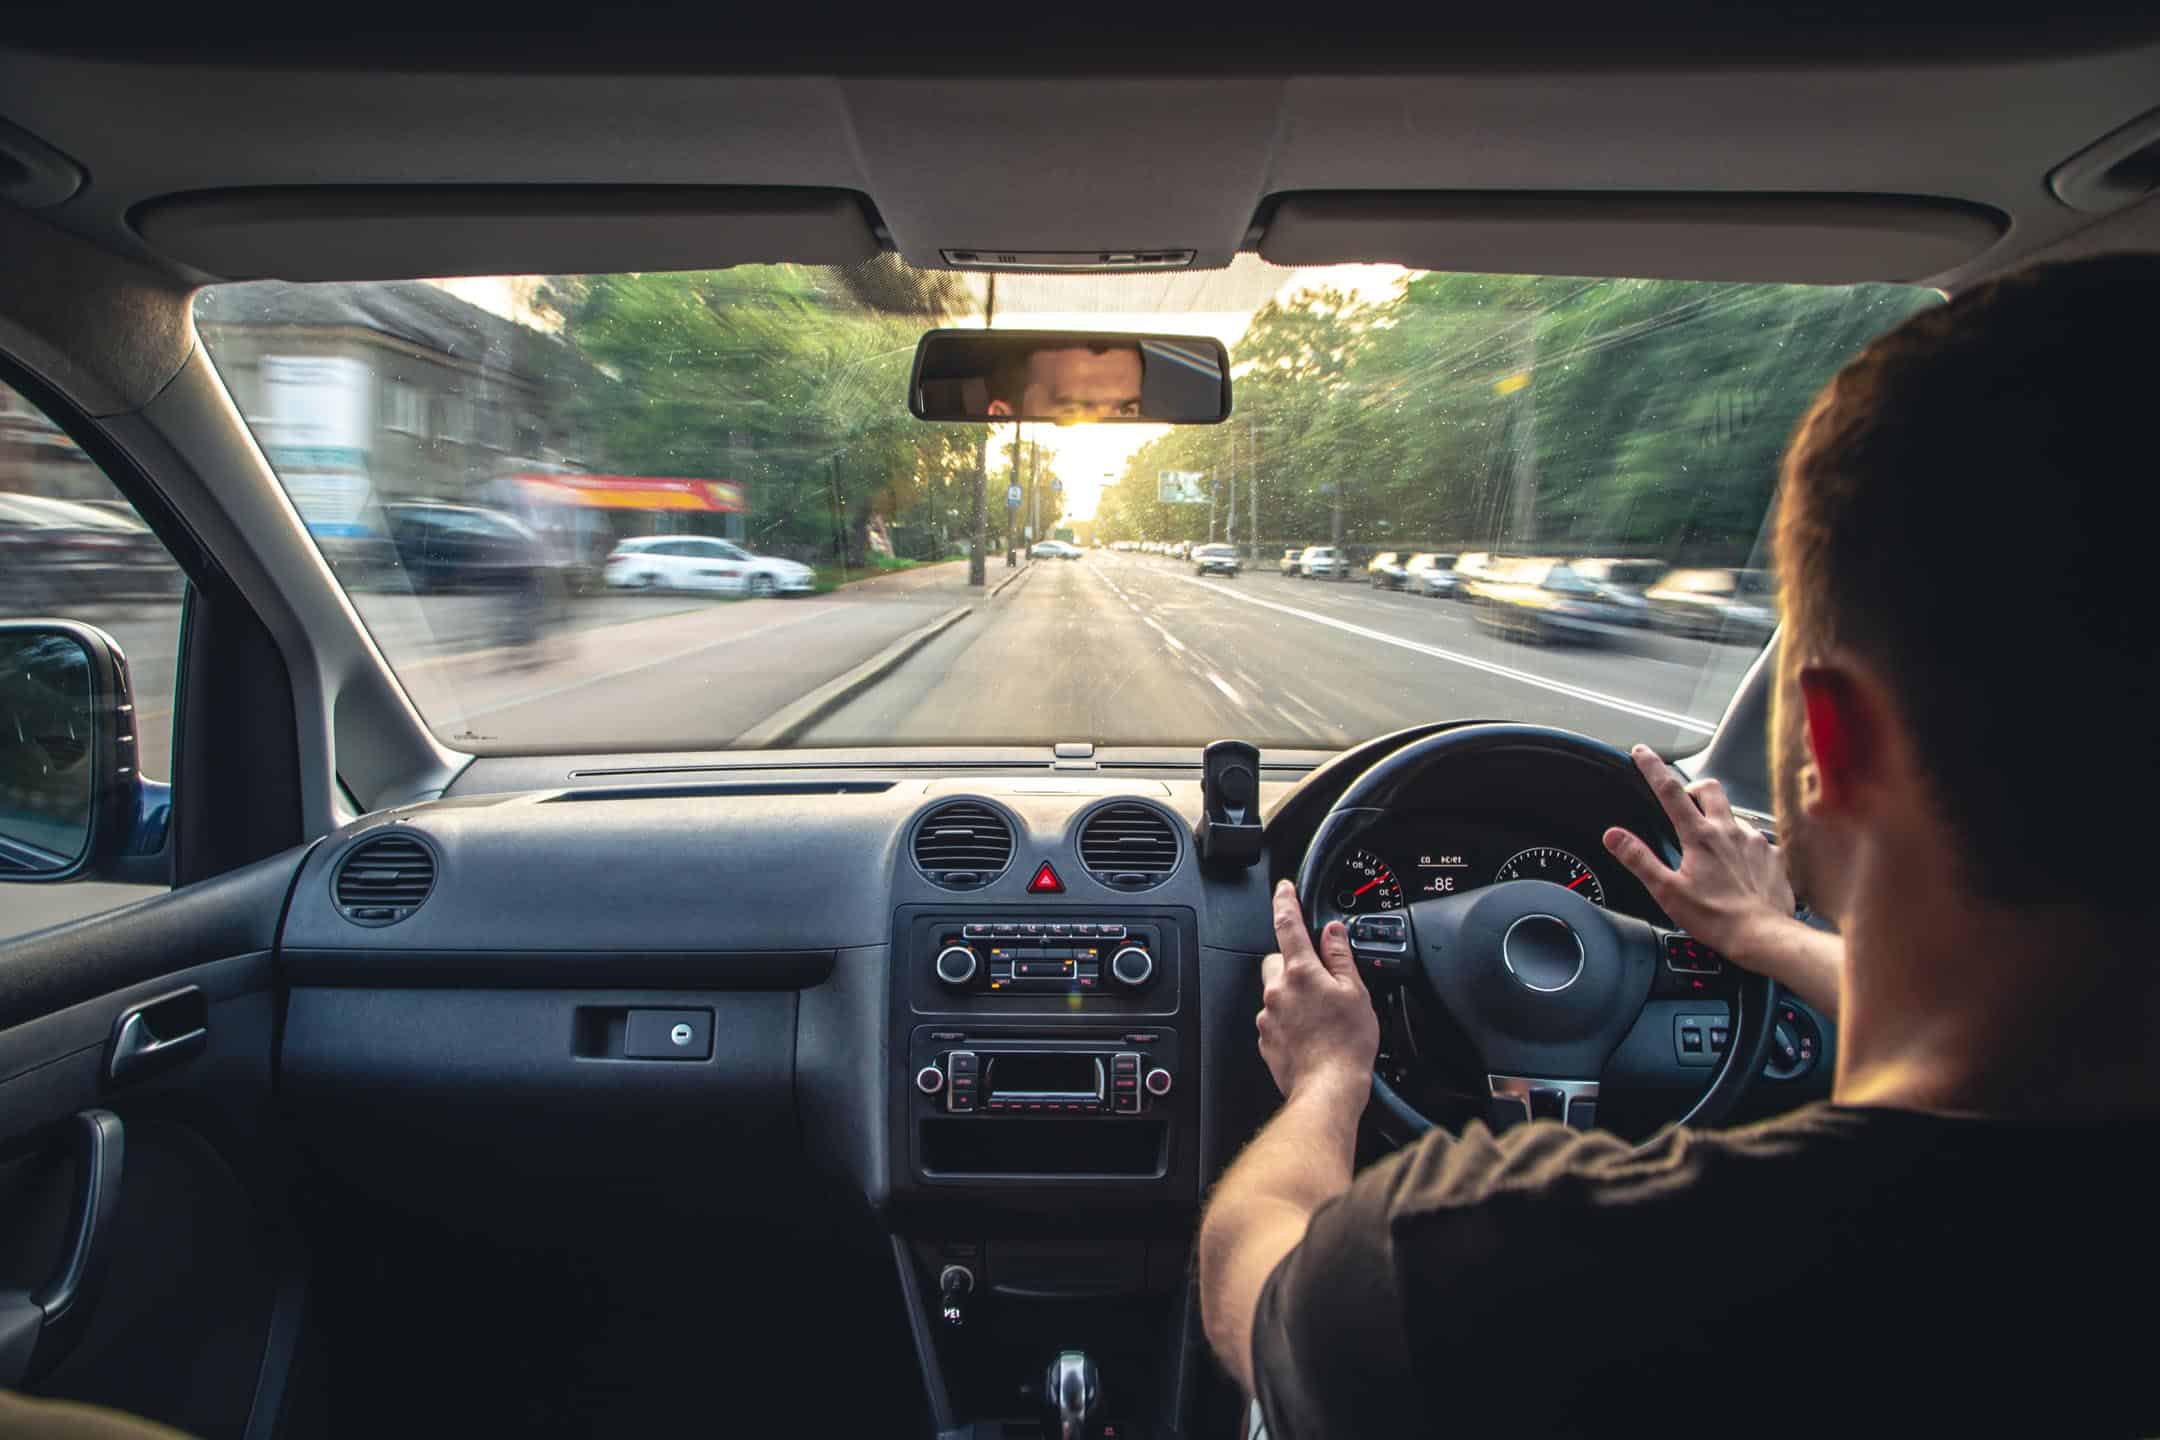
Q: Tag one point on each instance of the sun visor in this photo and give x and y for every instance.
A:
(426, 231)
(1814, 239)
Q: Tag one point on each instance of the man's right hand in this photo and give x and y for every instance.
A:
(1730, 891)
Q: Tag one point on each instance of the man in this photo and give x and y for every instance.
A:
(1072, 384)
(1961, 1241)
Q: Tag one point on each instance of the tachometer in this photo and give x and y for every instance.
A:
(1547, 862)
(1364, 882)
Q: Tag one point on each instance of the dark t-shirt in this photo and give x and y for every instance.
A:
(1836, 1271)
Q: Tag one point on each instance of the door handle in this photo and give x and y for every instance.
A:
(38, 1327)
(158, 1033)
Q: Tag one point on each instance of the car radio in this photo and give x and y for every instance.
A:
(961, 1073)
(1036, 957)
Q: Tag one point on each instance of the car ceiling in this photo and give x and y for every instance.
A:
(1946, 159)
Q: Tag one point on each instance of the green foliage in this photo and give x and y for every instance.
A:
(1507, 412)
(785, 378)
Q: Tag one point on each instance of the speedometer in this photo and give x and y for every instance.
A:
(1548, 862)
(1364, 882)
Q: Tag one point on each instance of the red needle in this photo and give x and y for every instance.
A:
(1364, 887)
(1578, 879)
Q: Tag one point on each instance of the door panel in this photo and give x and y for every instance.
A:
(198, 1246)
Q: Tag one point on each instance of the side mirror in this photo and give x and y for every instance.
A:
(72, 804)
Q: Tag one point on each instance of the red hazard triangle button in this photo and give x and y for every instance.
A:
(1045, 881)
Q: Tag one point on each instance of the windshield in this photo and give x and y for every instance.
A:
(470, 456)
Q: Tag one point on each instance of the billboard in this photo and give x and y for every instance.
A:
(1181, 487)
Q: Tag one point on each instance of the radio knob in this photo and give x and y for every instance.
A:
(956, 965)
(1158, 1082)
(1132, 966)
(929, 1079)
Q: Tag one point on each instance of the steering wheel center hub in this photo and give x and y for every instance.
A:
(1543, 953)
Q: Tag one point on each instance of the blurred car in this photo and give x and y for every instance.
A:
(1180, 549)
(1717, 604)
(1541, 600)
(700, 562)
(1055, 550)
(1384, 571)
(1216, 560)
(1432, 574)
(1287, 567)
(1474, 565)
(1320, 562)
(462, 547)
(1623, 582)
(62, 552)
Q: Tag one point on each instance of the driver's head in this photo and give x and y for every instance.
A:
(1965, 692)
(1072, 383)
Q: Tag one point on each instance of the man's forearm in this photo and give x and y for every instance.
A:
(1806, 961)
(1299, 1161)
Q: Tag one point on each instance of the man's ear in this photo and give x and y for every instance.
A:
(1848, 734)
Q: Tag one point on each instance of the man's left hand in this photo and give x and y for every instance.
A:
(1317, 1026)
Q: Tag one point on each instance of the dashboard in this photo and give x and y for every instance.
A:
(1432, 853)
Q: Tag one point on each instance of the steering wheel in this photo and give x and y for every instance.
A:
(1544, 987)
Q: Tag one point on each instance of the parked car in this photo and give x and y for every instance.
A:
(1054, 550)
(698, 562)
(1384, 571)
(1216, 560)
(1716, 604)
(1320, 562)
(1542, 600)
(462, 547)
(1432, 574)
(61, 552)
(1287, 567)
(1623, 582)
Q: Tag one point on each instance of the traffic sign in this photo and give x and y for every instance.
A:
(1012, 497)
(1057, 486)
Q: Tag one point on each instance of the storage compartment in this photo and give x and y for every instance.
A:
(1063, 1147)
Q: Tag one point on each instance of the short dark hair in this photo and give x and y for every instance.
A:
(1970, 506)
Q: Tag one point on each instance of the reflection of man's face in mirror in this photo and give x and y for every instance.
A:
(1077, 384)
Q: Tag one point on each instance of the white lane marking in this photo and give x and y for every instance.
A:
(1168, 639)
(1505, 672)
(1308, 709)
(1217, 682)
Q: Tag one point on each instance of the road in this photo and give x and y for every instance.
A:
(1117, 649)
(1136, 650)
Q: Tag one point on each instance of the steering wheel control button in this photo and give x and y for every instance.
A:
(1582, 1115)
(1692, 1037)
(1386, 932)
(1132, 967)
(956, 965)
(668, 1035)
(929, 1079)
(1158, 1082)
(1543, 953)
(1685, 955)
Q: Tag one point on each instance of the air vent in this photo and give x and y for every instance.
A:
(384, 880)
(1129, 847)
(963, 845)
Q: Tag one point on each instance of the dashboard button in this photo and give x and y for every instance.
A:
(1158, 1082)
(929, 1079)
(1058, 932)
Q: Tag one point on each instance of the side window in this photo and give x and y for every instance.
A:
(72, 549)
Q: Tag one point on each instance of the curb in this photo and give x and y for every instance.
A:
(788, 723)
(1009, 579)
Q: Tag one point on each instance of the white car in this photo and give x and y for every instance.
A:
(696, 562)
(1319, 560)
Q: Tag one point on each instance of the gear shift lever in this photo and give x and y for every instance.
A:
(1072, 1396)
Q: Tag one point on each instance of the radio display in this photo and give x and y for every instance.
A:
(1012, 1075)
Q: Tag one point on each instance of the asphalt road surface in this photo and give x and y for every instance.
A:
(1136, 650)
(1117, 649)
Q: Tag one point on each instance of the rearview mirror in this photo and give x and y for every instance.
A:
(1070, 377)
(71, 802)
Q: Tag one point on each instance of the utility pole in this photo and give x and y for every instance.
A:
(1035, 483)
(978, 529)
(1229, 529)
(1252, 476)
(1010, 512)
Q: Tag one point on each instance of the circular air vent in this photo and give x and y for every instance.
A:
(963, 845)
(383, 880)
(1129, 846)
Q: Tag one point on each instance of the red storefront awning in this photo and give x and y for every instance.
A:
(634, 492)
